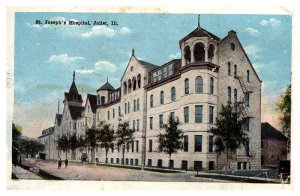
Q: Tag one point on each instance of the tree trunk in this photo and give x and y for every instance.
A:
(123, 155)
(106, 152)
(66, 154)
(170, 160)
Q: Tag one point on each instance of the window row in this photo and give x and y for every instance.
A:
(198, 166)
(132, 84)
(199, 51)
(246, 99)
(162, 73)
(136, 107)
(136, 161)
(235, 71)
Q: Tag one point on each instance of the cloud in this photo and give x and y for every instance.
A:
(105, 65)
(271, 22)
(175, 56)
(85, 71)
(35, 26)
(48, 86)
(253, 51)
(105, 31)
(64, 59)
(252, 31)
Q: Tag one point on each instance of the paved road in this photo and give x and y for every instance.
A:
(25, 174)
(106, 173)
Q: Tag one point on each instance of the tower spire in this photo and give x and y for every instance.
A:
(133, 51)
(199, 21)
(73, 76)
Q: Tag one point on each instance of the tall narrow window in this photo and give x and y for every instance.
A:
(133, 125)
(198, 143)
(186, 87)
(128, 105)
(211, 91)
(172, 115)
(150, 145)
(211, 114)
(229, 68)
(247, 148)
(247, 124)
(132, 146)
(161, 97)
(186, 143)
(210, 143)
(199, 84)
(137, 145)
(248, 76)
(151, 101)
(161, 121)
(119, 110)
(247, 99)
(125, 108)
(235, 70)
(235, 95)
(114, 113)
(134, 105)
(229, 95)
(137, 125)
(138, 104)
(198, 113)
(186, 114)
(170, 69)
(173, 93)
(151, 122)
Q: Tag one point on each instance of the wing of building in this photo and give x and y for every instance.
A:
(211, 72)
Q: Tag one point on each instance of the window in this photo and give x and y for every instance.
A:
(132, 146)
(139, 80)
(170, 68)
(138, 104)
(118, 160)
(128, 105)
(161, 97)
(119, 110)
(229, 95)
(151, 122)
(131, 161)
(150, 145)
(229, 68)
(198, 143)
(172, 115)
(151, 101)
(235, 70)
(114, 113)
(159, 163)
(248, 76)
(184, 165)
(136, 161)
(107, 115)
(186, 114)
(137, 125)
(149, 162)
(165, 72)
(247, 97)
(161, 121)
(186, 143)
(247, 149)
(171, 163)
(125, 108)
(232, 46)
(235, 95)
(198, 113)
(133, 126)
(102, 100)
(187, 54)
(211, 114)
(134, 105)
(211, 91)
(210, 143)
(186, 87)
(159, 75)
(198, 165)
(137, 145)
(199, 52)
(199, 84)
(173, 93)
(112, 149)
(247, 124)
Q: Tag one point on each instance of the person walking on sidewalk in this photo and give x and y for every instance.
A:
(59, 163)
(66, 163)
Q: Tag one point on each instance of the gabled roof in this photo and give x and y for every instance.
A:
(150, 66)
(268, 131)
(199, 32)
(106, 86)
(73, 93)
(76, 111)
(93, 102)
(58, 119)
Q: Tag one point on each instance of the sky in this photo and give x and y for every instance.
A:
(47, 54)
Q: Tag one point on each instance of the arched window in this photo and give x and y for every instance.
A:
(187, 54)
(211, 51)
(173, 93)
(199, 84)
(186, 87)
(138, 104)
(139, 80)
(161, 97)
(229, 95)
(134, 83)
(211, 91)
(129, 86)
(235, 70)
(125, 88)
(199, 52)
(134, 105)
(229, 68)
(151, 101)
(235, 95)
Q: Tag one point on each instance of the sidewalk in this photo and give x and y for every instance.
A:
(25, 174)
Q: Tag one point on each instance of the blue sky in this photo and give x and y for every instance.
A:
(46, 55)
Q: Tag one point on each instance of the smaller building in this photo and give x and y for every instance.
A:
(47, 138)
(273, 146)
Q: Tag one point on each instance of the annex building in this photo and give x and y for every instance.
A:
(211, 72)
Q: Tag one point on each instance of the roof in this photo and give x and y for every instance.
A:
(58, 118)
(106, 86)
(93, 102)
(268, 131)
(199, 32)
(73, 93)
(150, 66)
(75, 111)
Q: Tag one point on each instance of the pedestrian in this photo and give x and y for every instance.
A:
(59, 163)
(66, 163)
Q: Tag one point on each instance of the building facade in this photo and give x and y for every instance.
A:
(47, 139)
(210, 72)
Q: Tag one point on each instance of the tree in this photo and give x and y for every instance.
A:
(171, 140)
(106, 137)
(229, 132)
(91, 135)
(16, 137)
(31, 146)
(63, 143)
(124, 135)
(284, 105)
(73, 140)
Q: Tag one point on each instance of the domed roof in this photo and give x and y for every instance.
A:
(199, 32)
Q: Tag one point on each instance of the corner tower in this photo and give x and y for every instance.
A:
(72, 97)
